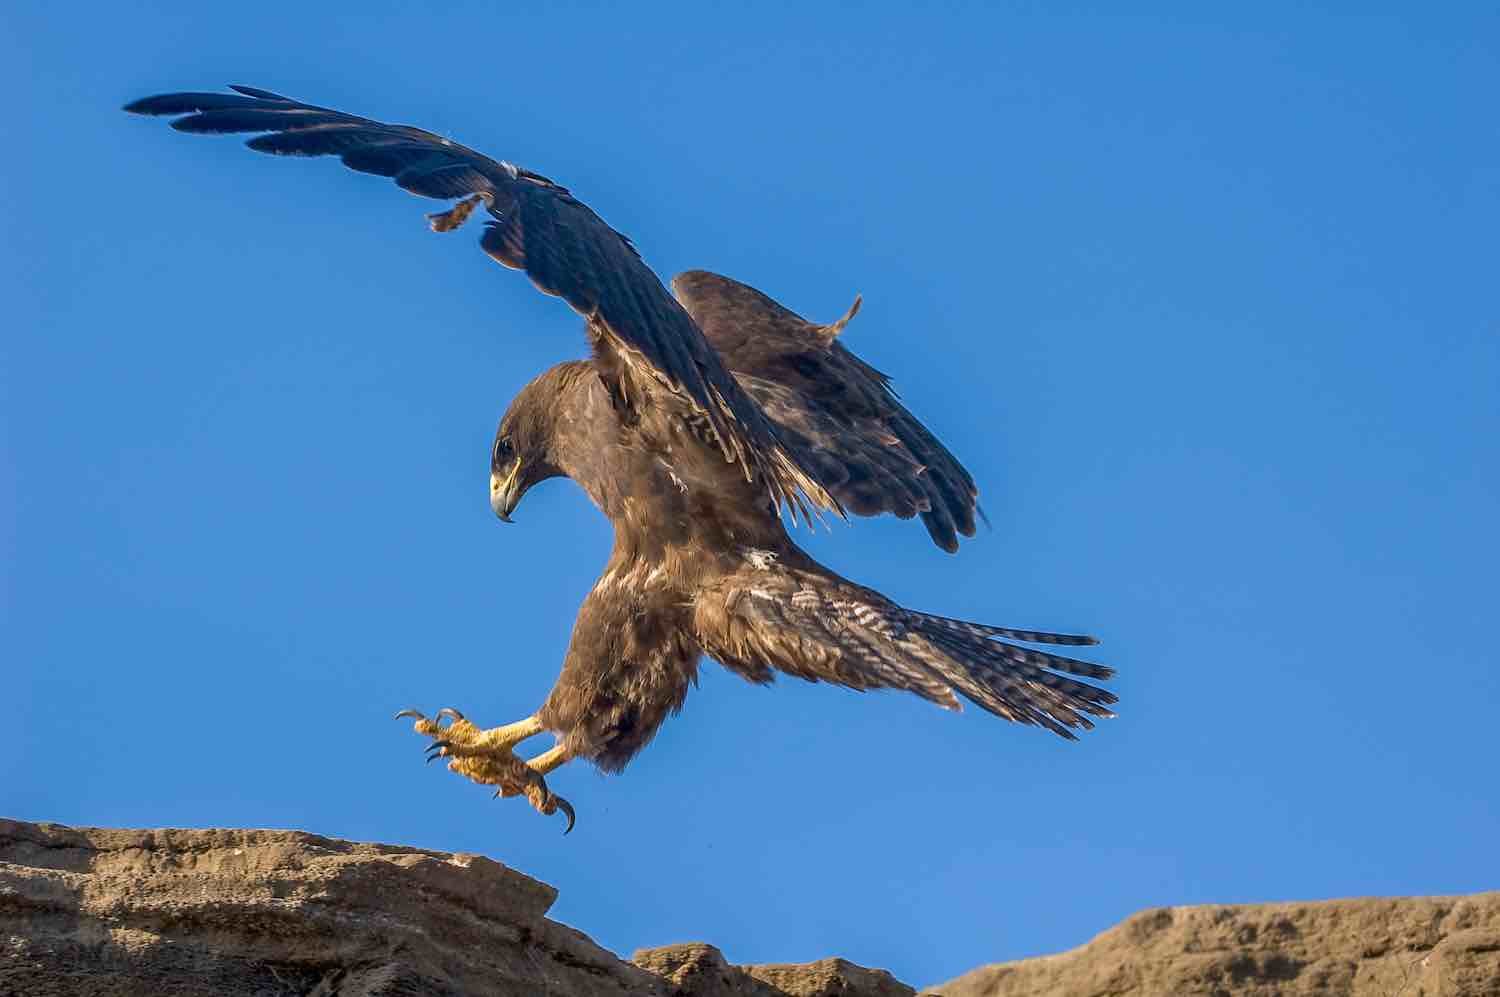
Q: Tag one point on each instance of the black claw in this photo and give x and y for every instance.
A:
(567, 809)
(435, 750)
(450, 712)
(414, 714)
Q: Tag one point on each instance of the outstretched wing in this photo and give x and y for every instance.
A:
(835, 410)
(794, 616)
(646, 346)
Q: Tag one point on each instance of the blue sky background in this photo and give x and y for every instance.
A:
(1206, 301)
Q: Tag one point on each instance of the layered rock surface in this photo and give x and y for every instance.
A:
(1408, 947)
(173, 913)
(224, 913)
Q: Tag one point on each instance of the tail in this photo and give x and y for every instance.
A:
(808, 622)
(1016, 683)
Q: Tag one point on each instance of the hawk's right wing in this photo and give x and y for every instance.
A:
(789, 614)
(645, 344)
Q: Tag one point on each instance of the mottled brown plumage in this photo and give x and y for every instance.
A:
(836, 412)
(691, 427)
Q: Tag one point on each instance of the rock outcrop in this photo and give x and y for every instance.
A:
(699, 970)
(1410, 947)
(173, 913)
(220, 913)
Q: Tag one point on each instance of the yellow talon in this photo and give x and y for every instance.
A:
(486, 757)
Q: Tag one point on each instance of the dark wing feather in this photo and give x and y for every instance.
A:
(801, 619)
(837, 411)
(645, 343)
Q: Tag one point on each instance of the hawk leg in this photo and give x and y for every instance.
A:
(486, 756)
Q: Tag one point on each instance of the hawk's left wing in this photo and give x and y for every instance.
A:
(837, 411)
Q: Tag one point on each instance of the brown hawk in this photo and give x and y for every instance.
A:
(698, 419)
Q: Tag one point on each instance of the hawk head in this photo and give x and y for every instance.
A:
(525, 445)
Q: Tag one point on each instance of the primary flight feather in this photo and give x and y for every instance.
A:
(696, 421)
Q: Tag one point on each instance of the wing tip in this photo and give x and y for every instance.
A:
(191, 102)
(155, 105)
(258, 93)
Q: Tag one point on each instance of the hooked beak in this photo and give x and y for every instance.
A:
(504, 492)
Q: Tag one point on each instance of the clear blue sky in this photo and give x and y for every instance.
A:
(1207, 303)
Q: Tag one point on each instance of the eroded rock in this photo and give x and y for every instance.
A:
(1412, 947)
(173, 913)
(699, 970)
(225, 913)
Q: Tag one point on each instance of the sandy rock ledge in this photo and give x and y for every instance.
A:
(229, 913)
(1377, 947)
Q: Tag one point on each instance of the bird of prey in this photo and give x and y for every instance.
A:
(697, 422)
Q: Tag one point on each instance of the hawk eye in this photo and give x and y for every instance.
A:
(502, 452)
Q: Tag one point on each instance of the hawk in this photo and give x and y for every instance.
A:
(697, 423)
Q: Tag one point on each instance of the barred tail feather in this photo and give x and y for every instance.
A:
(1016, 683)
(979, 635)
(1029, 636)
